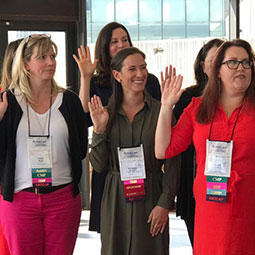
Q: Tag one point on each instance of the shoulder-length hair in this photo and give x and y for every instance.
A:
(213, 89)
(7, 63)
(20, 76)
(117, 96)
(102, 53)
(201, 77)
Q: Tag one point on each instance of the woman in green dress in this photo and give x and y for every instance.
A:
(138, 193)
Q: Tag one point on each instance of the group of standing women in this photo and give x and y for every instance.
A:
(135, 176)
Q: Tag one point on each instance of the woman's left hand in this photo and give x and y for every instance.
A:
(158, 219)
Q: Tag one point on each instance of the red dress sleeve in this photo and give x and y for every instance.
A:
(182, 132)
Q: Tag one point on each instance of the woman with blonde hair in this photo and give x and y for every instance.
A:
(43, 138)
(5, 82)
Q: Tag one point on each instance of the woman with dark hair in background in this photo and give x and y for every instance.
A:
(137, 194)
(185, 199)
(96, 80)
(221, 125)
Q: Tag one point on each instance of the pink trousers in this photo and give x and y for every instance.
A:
(41, 224)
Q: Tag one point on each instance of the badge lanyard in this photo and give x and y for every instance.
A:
(218, 165)
(40, 154)
(132, 168)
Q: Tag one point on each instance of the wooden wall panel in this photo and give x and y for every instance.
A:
(39, 10)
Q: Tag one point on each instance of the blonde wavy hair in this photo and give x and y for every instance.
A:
(20, 76)
(7, 63)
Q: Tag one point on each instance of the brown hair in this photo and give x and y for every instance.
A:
(117, 96)
(213, 89)
(102, 53)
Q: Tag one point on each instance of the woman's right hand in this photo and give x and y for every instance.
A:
(170, 72)
(99, 115)
(84, 62)
(171, 89)
(3, 105)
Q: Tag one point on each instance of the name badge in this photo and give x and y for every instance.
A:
(134, 190)
(132, 172)
(40, 160)
(216, 189)
(131, 162)
(218, 158)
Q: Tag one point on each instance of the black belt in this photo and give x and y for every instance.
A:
(44, 190)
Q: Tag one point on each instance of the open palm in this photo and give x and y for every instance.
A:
(99, 114)
(171, 91)
(84, 62)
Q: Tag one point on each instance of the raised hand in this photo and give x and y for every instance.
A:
(171, 91)
(3, 105)
(169, 74)
(99, 114)
(84, 62)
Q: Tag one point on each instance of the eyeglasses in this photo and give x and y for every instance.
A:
(234, 64)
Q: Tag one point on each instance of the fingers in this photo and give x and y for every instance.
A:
(95, 103)
(174, 72)
(87, 51)
(162, 87)
(76, 59)
(156, 228)
(166, 71)
(3, 105)
(4, 100)
(162, 228)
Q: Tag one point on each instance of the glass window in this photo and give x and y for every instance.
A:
(133, 31)
(217, 29)
(150, 32)
(126, 11)
(95, 29)
(198, 29)
(88, 17)
(59, 39)
(173, 10)
(216, 10)
(102, 11)
(150, 11)
(174, 30)
(197, 10)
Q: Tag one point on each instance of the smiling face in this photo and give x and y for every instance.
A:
(133, 74)
(235, 81)
(119, 41)
(41, 66)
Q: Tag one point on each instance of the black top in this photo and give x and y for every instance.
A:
(74, 116)
(185, 200)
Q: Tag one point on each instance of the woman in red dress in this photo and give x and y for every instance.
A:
(221, 125)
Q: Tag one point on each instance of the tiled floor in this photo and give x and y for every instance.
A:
(89, 242)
